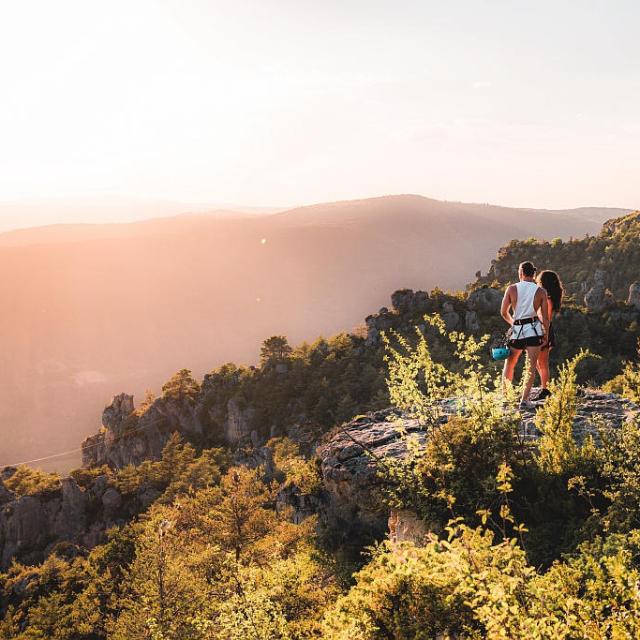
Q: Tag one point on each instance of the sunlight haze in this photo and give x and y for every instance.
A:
(280, 103)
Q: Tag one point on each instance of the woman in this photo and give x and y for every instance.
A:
(550, 282)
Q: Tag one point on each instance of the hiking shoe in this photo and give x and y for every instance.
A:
(543, 395)
(526, 405)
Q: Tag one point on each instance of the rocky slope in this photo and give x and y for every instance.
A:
(31, 526)
(599, 270)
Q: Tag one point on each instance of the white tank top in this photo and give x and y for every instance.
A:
(525, 309)
(524, 303)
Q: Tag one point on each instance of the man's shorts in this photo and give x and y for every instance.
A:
(523, 343)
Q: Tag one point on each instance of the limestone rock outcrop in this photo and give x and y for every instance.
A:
(599, 298)
(350, 471)
(378, 322)
(485, 300)
(128, 438)
(32, 525)
(237, 425)
(450, 316)
(408, 301)
(350, 475)
(472, 322)
(409, 307)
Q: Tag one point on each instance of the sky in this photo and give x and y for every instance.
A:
(274, 103)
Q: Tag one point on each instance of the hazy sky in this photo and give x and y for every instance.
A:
(282, 102)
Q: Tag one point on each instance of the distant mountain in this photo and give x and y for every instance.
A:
(92, 310)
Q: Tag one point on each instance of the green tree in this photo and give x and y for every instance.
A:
(274, 350)
(181, 385)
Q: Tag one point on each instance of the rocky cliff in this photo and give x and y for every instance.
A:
(31, 526)
(130, 436)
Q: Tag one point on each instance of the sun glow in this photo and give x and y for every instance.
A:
(278, 103)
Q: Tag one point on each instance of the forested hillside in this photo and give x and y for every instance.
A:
(497, 534)
(367, 486)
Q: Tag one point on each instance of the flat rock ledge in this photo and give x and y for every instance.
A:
(349, 469)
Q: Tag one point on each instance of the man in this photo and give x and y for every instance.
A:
(523, 306)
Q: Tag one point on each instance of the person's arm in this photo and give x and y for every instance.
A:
(544, 311)
(506, 305)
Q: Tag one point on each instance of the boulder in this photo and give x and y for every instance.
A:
(599, 299)
(5, 494)
(111, 499)
(472, 322)
(349, 473)
(126, 438)
(485, 301)
(147, 495)
(450, 317)
(70, 519)
(24, 528)
(381, 321)
(406, 526)
(600, 278)
(409, 301)
(238, 425)
(117, 412)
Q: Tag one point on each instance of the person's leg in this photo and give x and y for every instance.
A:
(509, 368)
(543, 367)
(532, 355)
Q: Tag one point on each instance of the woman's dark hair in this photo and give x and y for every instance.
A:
(550, 282)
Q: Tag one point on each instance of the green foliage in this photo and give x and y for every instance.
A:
(223, 564)
(179, 471)
(557, 449)
(274, 350)
(323, 383)
(621, 470)
(418, 383)
(469, 586)
(454, 468)
(627, 383)
(25, 481)
(615, 250)
(181, 385)
(85, 476)
(294, 469)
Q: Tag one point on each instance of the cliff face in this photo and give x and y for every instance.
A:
(31, 526)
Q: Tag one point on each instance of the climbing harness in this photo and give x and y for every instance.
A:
(520, 324)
